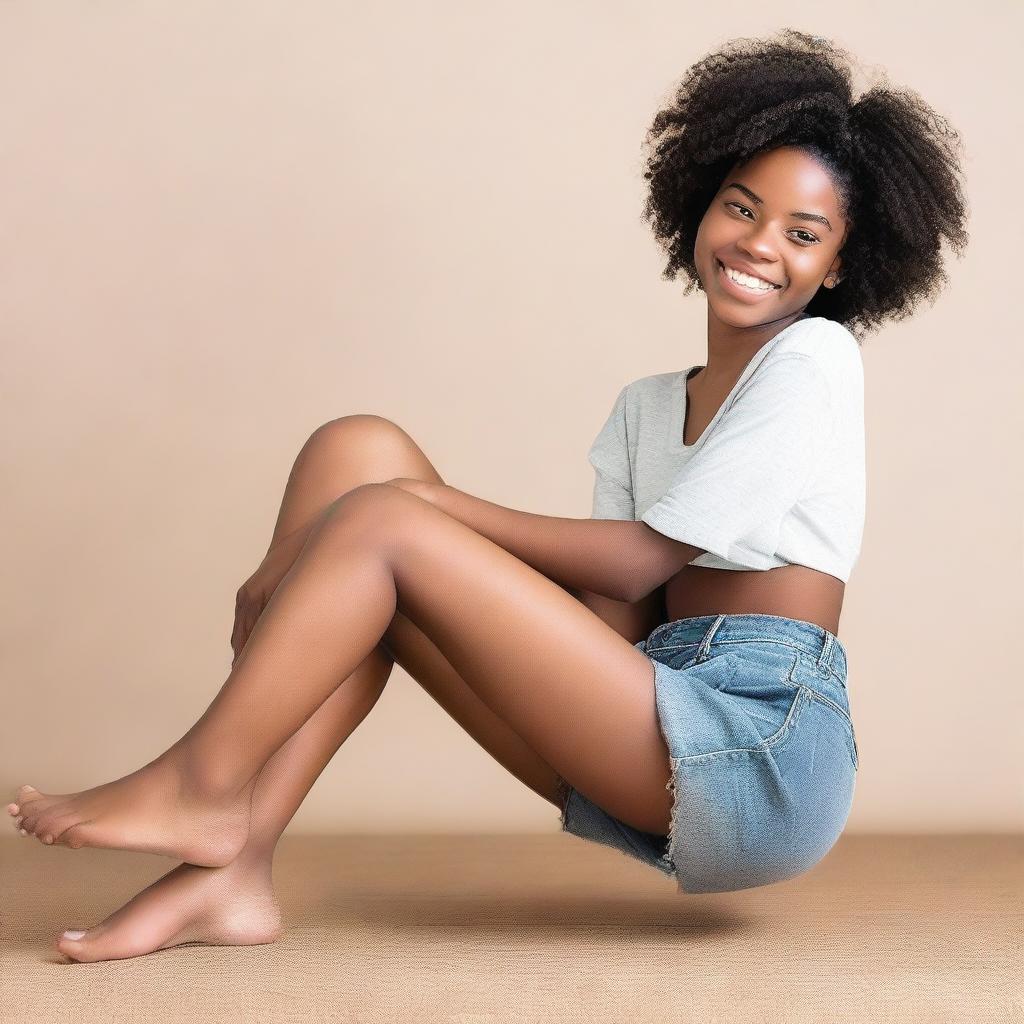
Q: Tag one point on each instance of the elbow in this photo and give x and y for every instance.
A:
(647, 574)
(643, 594)
(636, 587)
(638, 579)
(622, 590)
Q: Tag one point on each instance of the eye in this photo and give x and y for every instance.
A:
(809, 240)
(739, 206)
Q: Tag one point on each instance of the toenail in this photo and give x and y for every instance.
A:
(73, 935)
(48, 839)
(23, 832)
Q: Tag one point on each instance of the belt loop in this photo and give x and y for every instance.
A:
(825, 659)
(702, 650)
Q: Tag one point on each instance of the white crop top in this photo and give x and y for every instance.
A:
(778, 476)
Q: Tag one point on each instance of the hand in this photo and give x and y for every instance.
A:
(257, 590)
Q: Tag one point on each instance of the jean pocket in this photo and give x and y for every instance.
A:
(804, 673)
(759, 692)
(851, 743)
(795, 704)
(674, 656)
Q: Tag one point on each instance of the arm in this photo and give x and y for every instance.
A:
(615, 559)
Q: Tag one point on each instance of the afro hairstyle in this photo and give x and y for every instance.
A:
(893, 160)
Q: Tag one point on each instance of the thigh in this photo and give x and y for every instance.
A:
(577, 692)
(347, 452)
(409, 647)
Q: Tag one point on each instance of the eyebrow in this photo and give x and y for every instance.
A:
(797, 213)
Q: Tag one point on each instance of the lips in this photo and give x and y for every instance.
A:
(744, 270)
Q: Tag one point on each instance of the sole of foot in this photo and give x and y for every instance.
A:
(153, 810)
(230, 906)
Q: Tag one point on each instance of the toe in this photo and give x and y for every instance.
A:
(26, 797)
(32, 818)
(38, 824)
(43, 817)
(69, 943)
(12, 809)
(57, 827)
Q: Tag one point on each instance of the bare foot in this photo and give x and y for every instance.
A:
(153, 810)
(227, 906)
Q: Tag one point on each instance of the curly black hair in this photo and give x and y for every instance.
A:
(893, 161)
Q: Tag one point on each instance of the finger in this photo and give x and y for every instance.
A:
(243, 639)
(238, 633)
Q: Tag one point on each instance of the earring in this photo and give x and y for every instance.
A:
(832, 280)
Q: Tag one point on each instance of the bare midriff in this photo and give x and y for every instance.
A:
(792, 591)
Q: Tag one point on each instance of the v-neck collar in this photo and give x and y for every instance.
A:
(680, 398)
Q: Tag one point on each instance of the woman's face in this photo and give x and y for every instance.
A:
(760, 222)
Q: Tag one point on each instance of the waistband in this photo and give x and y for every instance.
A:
(812, 639)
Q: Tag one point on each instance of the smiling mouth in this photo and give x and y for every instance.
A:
(752, 290)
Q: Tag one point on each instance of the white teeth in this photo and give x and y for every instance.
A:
(747, 281)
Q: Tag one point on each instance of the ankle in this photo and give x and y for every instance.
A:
(256, 858)
(201, 777)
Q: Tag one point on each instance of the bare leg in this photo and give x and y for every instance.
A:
(574, 688)
(235, 904)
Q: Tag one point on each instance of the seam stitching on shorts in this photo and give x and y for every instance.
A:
(831, 703)
(725, 643)
(765, 746)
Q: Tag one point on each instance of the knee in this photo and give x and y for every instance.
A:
(360, 428)
(377, 441)
(376, 447)
(371, 508)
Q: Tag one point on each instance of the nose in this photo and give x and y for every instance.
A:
(759, 243)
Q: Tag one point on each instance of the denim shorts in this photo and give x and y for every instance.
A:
(756, 718)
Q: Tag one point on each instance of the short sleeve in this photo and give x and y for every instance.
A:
(731, 497)
(609, 455)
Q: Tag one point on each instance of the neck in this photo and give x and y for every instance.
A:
(730, 348)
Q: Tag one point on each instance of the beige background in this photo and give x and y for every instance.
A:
(225, 224)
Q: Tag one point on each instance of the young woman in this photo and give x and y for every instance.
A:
(667, 673)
